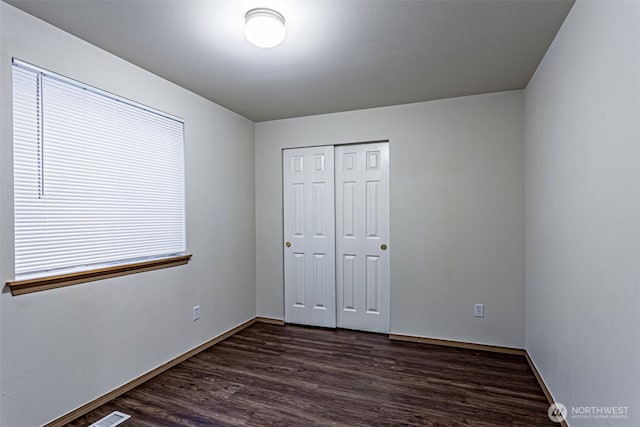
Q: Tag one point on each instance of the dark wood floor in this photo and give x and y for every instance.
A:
(269, 375)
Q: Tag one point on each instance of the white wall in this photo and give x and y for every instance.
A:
(457, 211)
(582, 133)
(64, 347)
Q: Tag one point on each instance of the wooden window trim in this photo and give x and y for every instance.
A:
(20, 287)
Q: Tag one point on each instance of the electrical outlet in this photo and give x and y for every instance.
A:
(196, 312)
(478, 310)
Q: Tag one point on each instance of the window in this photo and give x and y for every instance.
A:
(98, 180)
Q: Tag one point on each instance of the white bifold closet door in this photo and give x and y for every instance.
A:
(309, 232)
(362, 236)
(336, 236)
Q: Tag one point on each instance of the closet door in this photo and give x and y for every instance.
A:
(309, 236)
(362, 236)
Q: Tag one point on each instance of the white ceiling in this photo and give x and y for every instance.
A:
(338, 55)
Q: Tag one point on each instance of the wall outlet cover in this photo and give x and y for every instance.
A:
(478, 310)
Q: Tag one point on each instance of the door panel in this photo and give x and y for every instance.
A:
(362, 210)
(309, 227)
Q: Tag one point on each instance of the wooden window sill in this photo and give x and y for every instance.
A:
(19, 287)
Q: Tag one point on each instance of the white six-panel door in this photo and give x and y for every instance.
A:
(362, 236)
(309, 236)
(336, 263)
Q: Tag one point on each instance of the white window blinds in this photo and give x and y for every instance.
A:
(98, 180)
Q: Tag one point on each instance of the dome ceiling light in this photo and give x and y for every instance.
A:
(264, 27)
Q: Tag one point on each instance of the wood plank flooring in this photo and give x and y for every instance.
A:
(270, 375)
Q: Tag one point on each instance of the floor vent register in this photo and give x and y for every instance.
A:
(111, 420)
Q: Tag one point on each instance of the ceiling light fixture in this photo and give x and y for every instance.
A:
(264, 27)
